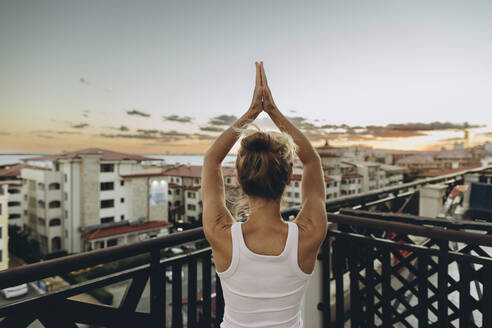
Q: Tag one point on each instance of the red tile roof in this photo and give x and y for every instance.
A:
(119, 230)
(14, 171)
(193, 188)
(174, 185)
(141, 175)
(298, 177)
(106, 155)
(351, 176)
(231, 187)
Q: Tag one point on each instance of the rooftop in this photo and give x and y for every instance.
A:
(119, 230)
(106, 155)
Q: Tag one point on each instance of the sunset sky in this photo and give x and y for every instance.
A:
(167, 76)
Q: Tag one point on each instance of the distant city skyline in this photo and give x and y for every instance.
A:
(164, 76)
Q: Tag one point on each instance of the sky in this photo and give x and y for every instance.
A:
(167, 76)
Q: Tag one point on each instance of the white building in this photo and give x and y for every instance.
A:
(4, 241)
(89, 190)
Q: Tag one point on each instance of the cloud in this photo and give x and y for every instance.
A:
(137, 112)
(67, 132)
(147, 131)
(173, 133)
(401, 130)
(201, 136)
(128, 136)
(85, 113)
(222, 120)
(4, 133)
(177, 118)
(123, 128)
(80, 126)
(83, 81)
(211, 129)
(486, 134)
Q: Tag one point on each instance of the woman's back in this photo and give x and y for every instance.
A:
(263, 290)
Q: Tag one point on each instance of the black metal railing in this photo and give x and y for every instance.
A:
(407, 271)
(196, 301)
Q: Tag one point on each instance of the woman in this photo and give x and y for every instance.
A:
(264, 263)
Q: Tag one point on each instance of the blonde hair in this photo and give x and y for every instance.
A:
(263, 164)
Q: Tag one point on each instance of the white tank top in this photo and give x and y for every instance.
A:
(263, 290)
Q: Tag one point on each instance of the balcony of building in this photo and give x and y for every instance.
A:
(383, 264)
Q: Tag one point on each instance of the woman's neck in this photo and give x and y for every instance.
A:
(264, 211)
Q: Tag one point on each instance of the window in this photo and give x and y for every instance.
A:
(65, 178)
(66, 196)
(197, 181)
(296, 184)
(107, 167)
(177, 203)
(289, 194)
(122, 200)
(55, 222)
(327, 185)
(335, 183)
(0, 209)
(172, 179)
(40, 203)
(169, 192)
(14, 204)
(1, 236)
(191, 207)
(107, 186)
(191, 194)
(296, 195)
(228, 180)
(107, 203)
(328, 196)
(41, 185)
(177, 191)
(108, 219)
(66, 214)
(14, 216)
(41, 221)
(14, 191)
(122, 217)
(54, 186)
(112, 242)
(122, 183)
(1, 255)
(54, 204)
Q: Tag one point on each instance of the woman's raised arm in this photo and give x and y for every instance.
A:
(216, 217)
(312, 217)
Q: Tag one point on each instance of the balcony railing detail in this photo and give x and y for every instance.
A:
(398, 282)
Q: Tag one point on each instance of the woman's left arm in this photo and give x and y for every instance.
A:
(216, 217)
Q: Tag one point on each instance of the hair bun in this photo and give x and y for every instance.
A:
(258, 142)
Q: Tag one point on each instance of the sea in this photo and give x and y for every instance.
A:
(6, 159)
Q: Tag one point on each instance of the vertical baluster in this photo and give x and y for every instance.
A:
(325, 262)
(355, 302)
(386, 286)
(442, 284)
(157, 294)
(177, 302)
(423, 306)
(486, 302)
(219, 302)
(192, 291)
(339, 268)
(464, 288)
(370, 276)
(207, 282)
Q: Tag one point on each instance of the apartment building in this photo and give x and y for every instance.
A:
(10, 176)
(85, 191)
(185, 198)
(4, 228)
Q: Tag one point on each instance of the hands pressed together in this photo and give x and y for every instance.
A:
(262, 97)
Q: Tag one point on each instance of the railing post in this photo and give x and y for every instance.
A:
(370, 286)
(386, 286)
(192, 291)
(442, 283)
(177, 300)
(423, 299)
(355, 301)
(206, 291)
(325, 273)
(338, 270)
(157, 300)
(486, 301)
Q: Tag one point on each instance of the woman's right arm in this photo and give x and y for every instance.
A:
(312, 217)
